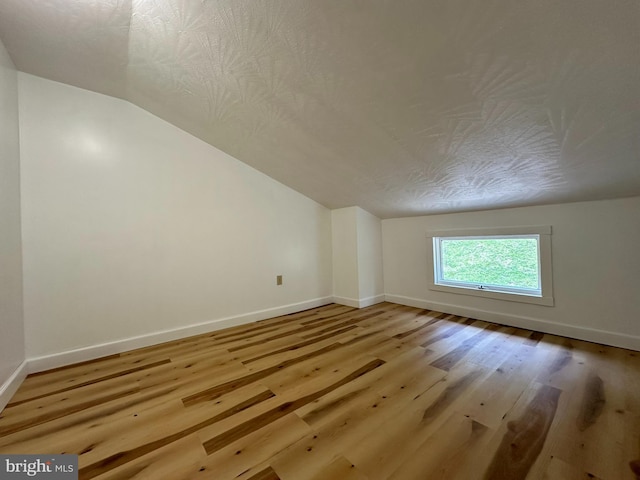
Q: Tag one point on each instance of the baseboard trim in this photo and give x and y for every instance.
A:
(359, 303)
(367, 302)
(47, 362)
(529, 323)
(10, 386)
(349, 302)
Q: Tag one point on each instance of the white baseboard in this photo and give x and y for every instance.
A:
(367, 302)
(47, 362)
(359, 303)
(349, 302)
(10, 386)
(605, 337)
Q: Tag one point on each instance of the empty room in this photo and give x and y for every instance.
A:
(317, 240)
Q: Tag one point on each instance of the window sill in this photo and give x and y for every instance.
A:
(511, 297)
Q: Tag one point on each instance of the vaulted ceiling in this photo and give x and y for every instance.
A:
(402, 107)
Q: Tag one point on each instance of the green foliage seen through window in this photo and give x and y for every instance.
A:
(504, 262)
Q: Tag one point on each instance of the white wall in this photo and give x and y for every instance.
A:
(370, 276)
(11, 322)
(132, 227)
(596, 269)
(344, 226)
(357, 257)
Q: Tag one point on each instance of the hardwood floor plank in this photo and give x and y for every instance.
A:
(55, 408)
(266, 474)
(384, 392)
(118, 374)
(356, 315)
(352, 319)
(92, 401)
(436, 318)
(122, 457)
(593, 416)
(505, 343)
(523, 441)
(91, 418)
(451, 358)
(631, 406)
(410, 416)
(214, 392)
(216, 443)
(443, 331)
(593, 402)
(299, 345)
(449, 453)
(176, 461)
(340, 325)
(255, 448)
(337, 468)
(499, 392)
(534, 338)
(557, 469)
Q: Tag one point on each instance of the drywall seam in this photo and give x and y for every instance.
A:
(69, 357)
(581, 333)
(11, 385)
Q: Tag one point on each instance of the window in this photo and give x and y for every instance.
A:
(507, 264)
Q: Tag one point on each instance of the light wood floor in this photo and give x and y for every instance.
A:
(385, 392)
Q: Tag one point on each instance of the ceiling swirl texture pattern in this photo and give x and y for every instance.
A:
(402, 107)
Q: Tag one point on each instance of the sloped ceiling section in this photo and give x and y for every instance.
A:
(401, 107)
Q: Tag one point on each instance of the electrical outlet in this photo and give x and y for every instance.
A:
(279, 280)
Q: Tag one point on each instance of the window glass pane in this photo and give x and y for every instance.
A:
(503, 262)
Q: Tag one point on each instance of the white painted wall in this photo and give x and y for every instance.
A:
(344, 232)
(357, 257)
(133, 227)
(11, 321)
(596, 269)
(136, 232)
(370, 276)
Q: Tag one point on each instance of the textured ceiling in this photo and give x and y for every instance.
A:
(402, 107)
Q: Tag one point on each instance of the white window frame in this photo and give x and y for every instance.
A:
(541, 296)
